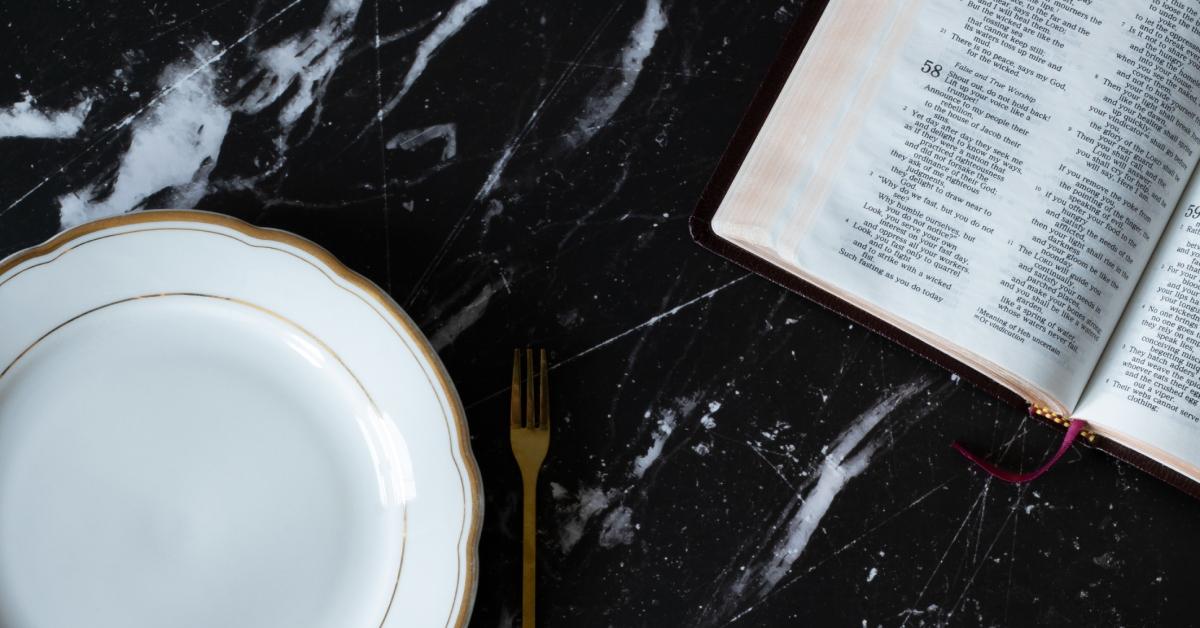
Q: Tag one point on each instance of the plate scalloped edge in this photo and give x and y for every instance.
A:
(462, 615)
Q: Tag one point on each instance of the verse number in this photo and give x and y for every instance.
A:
(931, 68)
(1192, 211)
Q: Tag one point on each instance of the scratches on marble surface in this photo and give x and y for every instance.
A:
(915, 611)
(464, 9)
(24, 119)
(867, 533)
(174, 146)
(413, 139)
(379, 40)
(653, 320)
(454, 20)
(975, 512)
(981, 561)
(758, 451)
(456, 17)
(607, 97)
(510, 148)
(632, 356)
(785, 542)
(383, 169)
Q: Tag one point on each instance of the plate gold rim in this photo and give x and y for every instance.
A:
(377, 294)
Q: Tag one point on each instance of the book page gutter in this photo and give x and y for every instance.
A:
(1014, 175)
(1148, 382)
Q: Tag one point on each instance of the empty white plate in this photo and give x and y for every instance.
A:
(204, 424)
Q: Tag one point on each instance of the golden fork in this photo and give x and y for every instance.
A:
(530, 439)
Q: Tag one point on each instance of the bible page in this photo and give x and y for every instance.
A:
(1147, 385)
(1011, 177)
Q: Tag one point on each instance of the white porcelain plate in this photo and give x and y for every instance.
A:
(207, 424)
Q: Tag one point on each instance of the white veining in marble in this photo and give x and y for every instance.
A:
(456, 17)
(843, 460)
(607, 98)
(173, 145)
(302, 64)
(577, 510)
(667, 421)
(470, 314)
(618, 528)
(25, 119)
(413, 139)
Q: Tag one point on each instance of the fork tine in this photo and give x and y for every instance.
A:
(544, 394)
(530, 418)
(514, 406)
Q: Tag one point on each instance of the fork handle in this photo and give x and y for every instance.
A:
(529, 556)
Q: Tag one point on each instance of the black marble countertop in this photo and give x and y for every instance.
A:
(726, 453)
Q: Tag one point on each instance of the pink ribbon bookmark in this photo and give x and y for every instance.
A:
(1076, 426)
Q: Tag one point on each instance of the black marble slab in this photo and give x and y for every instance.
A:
(725, 453)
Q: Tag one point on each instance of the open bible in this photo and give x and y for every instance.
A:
(1009, 188)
